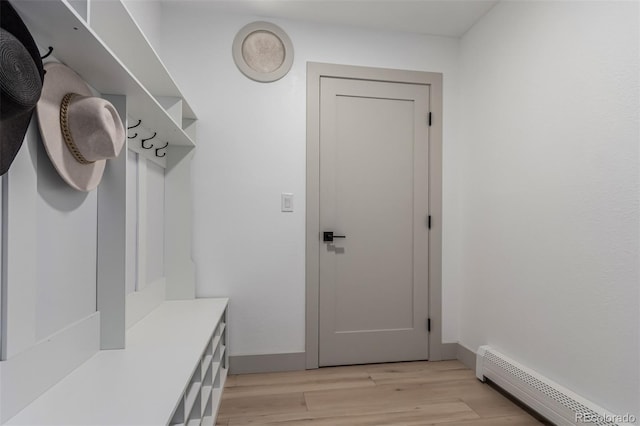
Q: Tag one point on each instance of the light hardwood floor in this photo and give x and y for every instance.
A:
(411, 393)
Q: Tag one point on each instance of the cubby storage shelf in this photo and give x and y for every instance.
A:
(192, 395)
(155, 378)
(56, 23)
(202, 399)
(206, 364)
(216, 396)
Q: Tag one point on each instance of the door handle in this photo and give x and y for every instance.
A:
(328, 236)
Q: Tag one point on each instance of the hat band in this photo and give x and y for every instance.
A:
(66, 132)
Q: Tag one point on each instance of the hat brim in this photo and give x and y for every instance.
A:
(12, 132)
(14, 129)
(59, 81)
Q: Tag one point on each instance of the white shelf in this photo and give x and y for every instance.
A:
(221, 328)
(55, 23)
(216, 364)
(216, 343)
(206, 396)
(131, 45)
(216, 395)
(192, 395)
(206, 365)
(216, 367)
(222, 352)
(163, 352)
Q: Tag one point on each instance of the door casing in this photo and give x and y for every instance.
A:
(315, 71)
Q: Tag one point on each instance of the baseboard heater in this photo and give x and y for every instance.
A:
(552, 401)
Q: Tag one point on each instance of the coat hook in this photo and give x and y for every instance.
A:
(135, 135)
(46, 55)
(164, 153)
(135, 125)
(142, 141)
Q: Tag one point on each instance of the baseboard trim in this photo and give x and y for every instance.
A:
(268, 363)
(296, 361)
(467, 357)
(449, 351)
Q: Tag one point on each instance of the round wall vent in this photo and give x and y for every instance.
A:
(263, 51)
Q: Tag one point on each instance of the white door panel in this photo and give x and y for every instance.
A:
(374, 190)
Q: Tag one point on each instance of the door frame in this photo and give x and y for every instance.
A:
(315, 71)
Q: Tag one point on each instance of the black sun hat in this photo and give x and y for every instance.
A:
(21, 77)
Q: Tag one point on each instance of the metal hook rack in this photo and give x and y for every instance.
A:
(135, 125)
(46, 55)
(142, 141)
(164, 154)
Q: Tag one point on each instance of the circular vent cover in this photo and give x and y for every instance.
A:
(263, 51)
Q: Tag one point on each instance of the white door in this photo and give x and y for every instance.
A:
(374, 191)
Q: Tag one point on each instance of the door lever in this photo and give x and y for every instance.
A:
(328, 236)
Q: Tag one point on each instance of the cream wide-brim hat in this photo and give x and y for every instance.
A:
(59, 81)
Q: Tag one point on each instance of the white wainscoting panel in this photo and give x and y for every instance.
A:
(20, 244)
(132, 222)
(154, 222)
(26, 376)
(140, 303)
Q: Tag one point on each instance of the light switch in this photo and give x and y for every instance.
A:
(287, 202)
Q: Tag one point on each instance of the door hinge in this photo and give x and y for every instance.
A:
(429, 222)
(429, 325)
(429, 119)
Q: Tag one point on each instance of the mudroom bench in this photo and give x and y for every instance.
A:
(172, 372)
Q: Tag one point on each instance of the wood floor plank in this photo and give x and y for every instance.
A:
(312, 384)
(289, 377)
(411, 393)
(421, 376)
(262, 405)
(392, 394)
(518, 420)
(413, 415)
(415, 366)
(298, 381)
(495, 405)
(231, 380)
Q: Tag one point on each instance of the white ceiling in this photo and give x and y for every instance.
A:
(437, 17)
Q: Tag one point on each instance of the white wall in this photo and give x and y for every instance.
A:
(549, 171)
(251, 147)
(147, 15)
